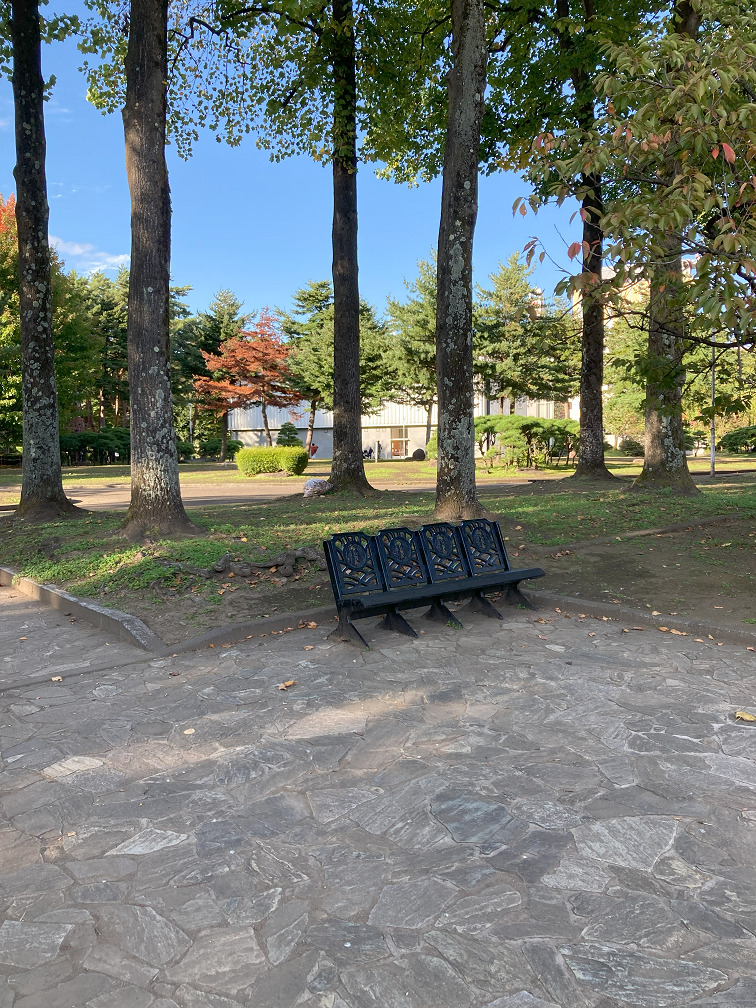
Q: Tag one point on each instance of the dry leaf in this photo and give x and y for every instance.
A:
(174, 673)
(743, 715)
(680, 633)
(308, 647)
(591, 634)
(285, 685)
(699, 640)
(637, 628)
(663, 629)
(656, 613)
(749, 648)
(188, 731)
(56, 678)
(23, 638)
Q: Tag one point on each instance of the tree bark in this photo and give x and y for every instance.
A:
(665, 465)
(429, 422)
(456, 495)
(266, 425)
(591, 462)
(311, 425)
(347, 470)
(42, 496)
(224, 436)
(156, 504)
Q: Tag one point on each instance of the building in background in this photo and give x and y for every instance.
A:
(399, 430)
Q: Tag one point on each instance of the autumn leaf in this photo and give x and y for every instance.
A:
(729, 153)
(188, 731)
(56, 678)
(742, 715)
(287, 684)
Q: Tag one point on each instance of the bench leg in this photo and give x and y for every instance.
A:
(514, 596)
(440, 614)
(346, 631)
(480, 604)
(393, 621)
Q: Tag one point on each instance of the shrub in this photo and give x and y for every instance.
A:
(185, 449)
(211, 447)
(253, 461)
(293, 460)
(288, 437)
(629, 446)
(742, 439)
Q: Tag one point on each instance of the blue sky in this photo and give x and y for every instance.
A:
(241, 222)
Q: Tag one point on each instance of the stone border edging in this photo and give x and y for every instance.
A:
(124, 626)
(133, 631)
(624, 614)
(237, 632)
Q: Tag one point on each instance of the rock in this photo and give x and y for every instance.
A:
(225, 960)
(141, 932)
(477, 913)
(148, 841)
(411, 904)
(348, 943)
(633, 841)
(416, 980)
(640, 979)
(473, 819)
(492, 966)
(28, 943)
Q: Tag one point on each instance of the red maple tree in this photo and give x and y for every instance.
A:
(249, 370)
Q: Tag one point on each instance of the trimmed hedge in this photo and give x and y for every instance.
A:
(253, 461)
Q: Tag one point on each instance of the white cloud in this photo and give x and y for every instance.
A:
(87, 258)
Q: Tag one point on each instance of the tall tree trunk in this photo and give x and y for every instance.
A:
(429, 422)
(665, 464)
(42, 494)
(224, 436)
(347, 471)
(266, 425)
(311, 425)
(591, 447)
(456, 495)
(156, 503)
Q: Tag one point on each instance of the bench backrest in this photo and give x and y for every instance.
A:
(360, 564)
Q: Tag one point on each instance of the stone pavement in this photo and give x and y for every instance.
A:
(518, 815)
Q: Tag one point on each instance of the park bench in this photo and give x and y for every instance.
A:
(373, 575)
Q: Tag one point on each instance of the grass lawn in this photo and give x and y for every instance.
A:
(90, 558)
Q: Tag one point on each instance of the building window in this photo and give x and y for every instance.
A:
(399, 440)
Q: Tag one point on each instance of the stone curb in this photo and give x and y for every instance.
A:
(630, 617)
(133, 631)
(237, 632)
(122, 625)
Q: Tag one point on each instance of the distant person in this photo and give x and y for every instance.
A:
(378, 447)
(367, 453)
(313, 449)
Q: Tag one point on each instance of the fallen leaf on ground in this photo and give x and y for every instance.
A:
(591, 634)
(656, 613)
(308, 647)
(743, 715)
(680, 633)
(188, 731)
(174, 673)
(22, 638)
(663, 629)
(285, 685)
(57, 678)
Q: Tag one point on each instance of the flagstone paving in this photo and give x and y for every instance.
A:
(518, 815)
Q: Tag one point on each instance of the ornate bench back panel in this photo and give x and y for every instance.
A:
(485, 547)
(444, 552)
(355, 563)
(401, 558)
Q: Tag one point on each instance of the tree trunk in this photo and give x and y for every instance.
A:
(311, 425)
(266, 425)
(224, 435)
(665, 465)
(156, 504)
(429, 423)
(347, 470)
(591, 462)
(456, 495)
(42, 496)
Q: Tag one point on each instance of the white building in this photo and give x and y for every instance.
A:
(396, 431)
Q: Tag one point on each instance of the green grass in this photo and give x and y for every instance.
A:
(91, 558)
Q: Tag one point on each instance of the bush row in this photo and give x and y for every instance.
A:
(252, 461)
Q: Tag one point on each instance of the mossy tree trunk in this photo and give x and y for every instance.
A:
(42, 496)
(156, 505)
(456, 495)
(347, 471)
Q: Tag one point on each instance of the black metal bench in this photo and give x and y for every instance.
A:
(373, 575)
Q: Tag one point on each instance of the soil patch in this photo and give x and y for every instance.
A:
(706, 572)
